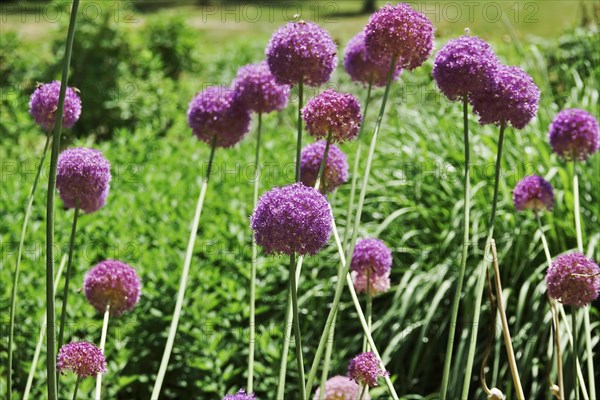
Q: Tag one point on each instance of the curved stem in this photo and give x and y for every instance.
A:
(465, 252)
(296, 322)
(76, 387)
(482, 271)
(299, 138)
(50, 316)
(13, 297)
(184, 277)
(102, 346)
(575, 350)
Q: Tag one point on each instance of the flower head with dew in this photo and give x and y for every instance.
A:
(399, 31)
(534, 193)
(82, 358)
(364, 369)
(574, 134)
(301, 51)
(464, 66)
(336, 166)
(511, 97)
(241, 395)
(331, 111)
(340, 388)
(83, 178)
(43, 105)
(292, 219)
(215, 112)
(112, 283)
(573, 279)
(363, 69)
(256, 88)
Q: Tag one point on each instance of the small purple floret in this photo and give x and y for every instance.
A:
(241, 395)
(534, 193)
(256, 88)
(573, 279)
(331, 111)
(363, 69)
(574, 134)
(364, 369)
(336, 166)
(43, 105)
(340, 388)
(115, 283)
(82, 358)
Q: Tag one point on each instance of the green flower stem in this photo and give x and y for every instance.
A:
(327, 361)
(320, 181)
(362, 392)
(505, 329)
(482, 272)
(575, 348)
(465, 253)
(50, 316)
(102, 347)
(38, 346)
(65, 298)
(13, 298)
(296, 323)
(582, 385)
(184, 277)
(369, 310)
(76, 387)
(299, 138)
(254, 261)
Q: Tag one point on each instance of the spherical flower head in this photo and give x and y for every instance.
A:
(241, 395)
(331, 111)
(336, 166)
(256, 88)
(363, 69)
(292, 219)
(510, 97)
(534, 193)
(340, 388)
(464, 66)
(43, 105)
(399, 31)
(112, 283)
(371, 256)
(574, 134)
(215, 112)
(83, 178)
(364, 369)
(301, 51)
(378, 283)
(82, 358)
(573, 279)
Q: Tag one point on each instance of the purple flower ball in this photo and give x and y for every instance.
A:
(43, 105)
(574, 134)
(115, 283)
(371, 256)
(533, 192)
(216, 112)
(292, 219)
(364, 369)
(363, 69)
(399, 31)
(241, 395)
(511, 97)
(255, 87)
(340, 388)
(377, 283)
(82, 358)
(566, 284)
(83, 177)
(464, 66)
(336, 166)
(331, 111)
(301, 51)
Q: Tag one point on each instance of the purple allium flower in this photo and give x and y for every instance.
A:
(83, 175)
(379, 283)
(292, 219)
(256, 88)
(371, 255)
(399, 31)
(241, 395)
(216, 112)
(301, 51)
(363, 69)
(511, 97)
(364, 369)
(82, 358)
(464, 66)
(533, 192)
(574, 134)
(115, 283)
(566, 283)
(331, 111)
(43, 105)
(336, 166)
(340, 388)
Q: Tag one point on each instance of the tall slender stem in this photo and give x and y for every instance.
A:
(102, 347)
(362, 392)
(577, 210)
(369, 310)
(320, 182)
(575, 351)
(76, 388)
(570, 340)
(299, 137)
(465, 253)
(482, 271)
(184, 277)
(254, 262)
(296, 322)
(327, 361)
(13, 298)
(50, 316)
